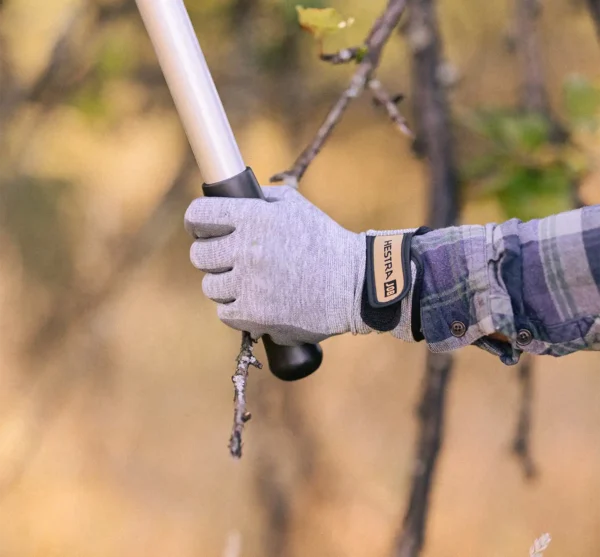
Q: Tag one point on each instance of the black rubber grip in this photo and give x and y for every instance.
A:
(288, 363)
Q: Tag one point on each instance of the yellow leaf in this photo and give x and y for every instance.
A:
(321, 21)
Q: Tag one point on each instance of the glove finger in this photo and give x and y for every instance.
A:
(213, 255)
(208, 217)
(221, 287)
(279, 193)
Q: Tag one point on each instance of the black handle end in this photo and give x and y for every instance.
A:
(290, 363)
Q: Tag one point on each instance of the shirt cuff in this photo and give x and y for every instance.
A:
(462, 301)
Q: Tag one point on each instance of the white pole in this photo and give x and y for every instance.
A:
(192, 88)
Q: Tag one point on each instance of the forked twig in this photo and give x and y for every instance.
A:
(369, 55)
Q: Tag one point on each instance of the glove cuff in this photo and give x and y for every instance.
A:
(391, 285)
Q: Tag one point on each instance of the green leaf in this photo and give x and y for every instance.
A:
(290, 10)
(321, 21)
(529, 193)
(510, 130)
(527, 132)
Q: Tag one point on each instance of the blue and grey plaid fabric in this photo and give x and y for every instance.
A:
(537, 283)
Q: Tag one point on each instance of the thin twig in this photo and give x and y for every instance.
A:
(522, 441)
(245, 359)
(376, 40)
(344, 56)
(295, 173)
(534, 97)
(383, 98)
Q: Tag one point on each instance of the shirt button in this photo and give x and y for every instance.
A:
(458, 329)
(524, 337)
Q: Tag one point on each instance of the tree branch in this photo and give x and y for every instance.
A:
(432, 116)
(245, 359)
(432, 113)
(522, 441)
(344, 56)
(534, 97)
(431, 428)
(383, 98)
(534, 100)
(376, 40)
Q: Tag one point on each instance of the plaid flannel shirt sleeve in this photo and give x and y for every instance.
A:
(537, 283)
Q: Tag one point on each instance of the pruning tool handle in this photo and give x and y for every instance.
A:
(212, 141)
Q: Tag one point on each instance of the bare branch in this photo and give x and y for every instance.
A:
(376, 40)
(431, 426)
(534, 100)
(522, 440)
(432, 116)
(534, 97)
(294, 174)
(383, 98)
(245, 359)
(433, 126)
(344, 56)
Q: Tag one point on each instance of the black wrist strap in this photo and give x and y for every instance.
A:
(388, 280)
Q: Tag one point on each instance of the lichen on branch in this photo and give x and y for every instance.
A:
(241, 415)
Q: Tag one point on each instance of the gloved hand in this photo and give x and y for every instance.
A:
(281, 267)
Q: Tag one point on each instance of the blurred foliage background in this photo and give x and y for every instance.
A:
(115, 399)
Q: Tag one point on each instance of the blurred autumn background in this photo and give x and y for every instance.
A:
(115, 392)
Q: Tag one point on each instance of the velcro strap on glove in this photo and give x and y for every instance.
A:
(388, 280)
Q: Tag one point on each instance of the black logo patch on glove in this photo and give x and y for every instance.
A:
(388, 279)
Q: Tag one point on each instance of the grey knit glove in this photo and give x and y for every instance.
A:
(281, 267)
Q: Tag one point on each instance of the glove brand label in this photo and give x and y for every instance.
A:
(387, 267)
